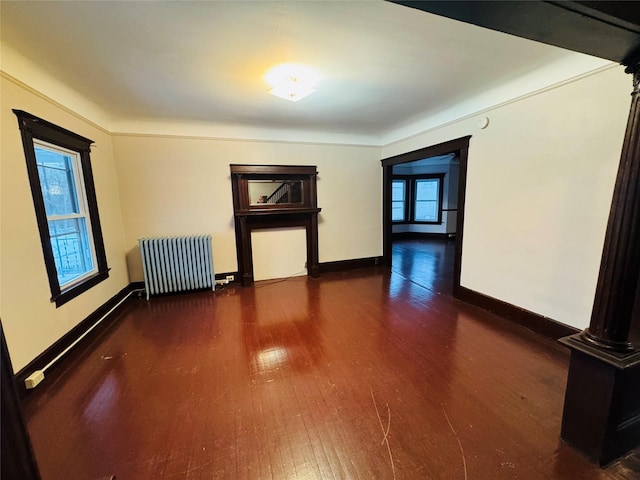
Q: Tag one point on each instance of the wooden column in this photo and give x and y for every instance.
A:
(602, 402)
(620, 266)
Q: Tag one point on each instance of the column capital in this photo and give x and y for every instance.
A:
(633, 68)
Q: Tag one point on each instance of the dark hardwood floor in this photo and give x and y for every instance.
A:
(425, 262)
(355, 375)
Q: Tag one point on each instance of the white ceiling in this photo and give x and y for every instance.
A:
(383, 67)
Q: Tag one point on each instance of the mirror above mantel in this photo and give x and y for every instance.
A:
(280, 192)
(264, 189)
(273, 196)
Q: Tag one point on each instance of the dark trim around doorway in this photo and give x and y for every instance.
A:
(460, 147)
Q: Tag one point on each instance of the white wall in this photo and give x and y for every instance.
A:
(539, 187)
(172, 185)
(31, 322)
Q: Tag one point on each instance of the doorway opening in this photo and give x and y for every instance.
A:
(423, 214)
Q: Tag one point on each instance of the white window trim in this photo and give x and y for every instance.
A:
(404, 199)
(438, 183)
(81, 196)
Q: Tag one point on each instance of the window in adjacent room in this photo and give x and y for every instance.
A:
(398, 200)
(59, 170)
(427, 200)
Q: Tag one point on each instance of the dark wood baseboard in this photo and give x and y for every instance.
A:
(342, 265)
(420, 235)
(538, 323)
(75, 333)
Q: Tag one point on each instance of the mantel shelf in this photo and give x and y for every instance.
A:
(279, 211)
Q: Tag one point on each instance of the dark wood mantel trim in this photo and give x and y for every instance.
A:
(250, 217)
(245, 224)
(271, 170)
(275, 212)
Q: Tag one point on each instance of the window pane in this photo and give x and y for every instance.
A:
(398, 196)
(426, 211)
(427, 199)
(57, 182)
(427, 189)
(397, 191)
(397, 212)
(71, 248)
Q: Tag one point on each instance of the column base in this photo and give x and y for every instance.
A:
(622, 347)
(601, 415)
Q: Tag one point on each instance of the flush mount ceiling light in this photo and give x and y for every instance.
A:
(291, 81)
(291, 89)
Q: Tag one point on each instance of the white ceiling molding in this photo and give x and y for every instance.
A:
(25, 71)
(543, 79)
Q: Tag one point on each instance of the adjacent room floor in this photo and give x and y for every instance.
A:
(355, 375)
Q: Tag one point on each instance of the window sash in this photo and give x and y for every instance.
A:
(427, 200)
(422, 199)
(73, 250)
(426, 211)
(398, 203)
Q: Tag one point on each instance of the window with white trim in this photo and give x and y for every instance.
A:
(427, 200)
(61, 180)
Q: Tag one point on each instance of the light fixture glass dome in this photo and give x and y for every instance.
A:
(291, 81)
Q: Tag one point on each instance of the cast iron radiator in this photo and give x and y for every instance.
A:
(176, 264)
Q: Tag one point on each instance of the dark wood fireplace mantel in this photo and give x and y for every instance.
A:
(259, 212)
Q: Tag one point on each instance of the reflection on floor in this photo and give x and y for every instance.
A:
(355, 375)
(427, 262)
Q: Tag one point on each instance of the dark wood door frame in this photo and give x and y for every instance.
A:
(460, 147)
(18, 460)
